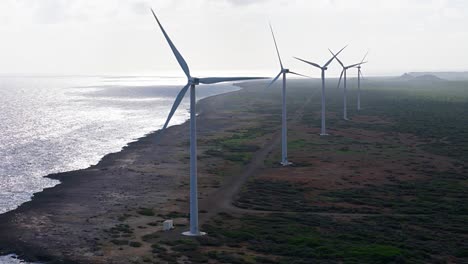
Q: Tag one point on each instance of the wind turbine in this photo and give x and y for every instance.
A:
(191, 83)
(345, 91)
(359, 83)
(323, 68)
(284, 129)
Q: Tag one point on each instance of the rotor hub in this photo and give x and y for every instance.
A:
(194, 81)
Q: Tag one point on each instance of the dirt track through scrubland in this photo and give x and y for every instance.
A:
(222, 199)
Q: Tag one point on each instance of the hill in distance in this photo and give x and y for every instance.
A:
(419, 78)
(451, 76)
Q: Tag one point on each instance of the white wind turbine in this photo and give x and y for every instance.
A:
(284, 129)
(359, 83)
(323, 68)
(345, 91)
(192, 82)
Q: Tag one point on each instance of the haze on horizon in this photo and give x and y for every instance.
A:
(89, 37)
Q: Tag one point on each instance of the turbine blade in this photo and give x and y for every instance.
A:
(341, 76)
(276, 46)
(334, 56)
(308, 62)
(365, 56)
(354, 65)
(360, 73)
(176, 104)
(339, 61)
(274, 80)
(180, 59)
(212, 80)
(298, 74)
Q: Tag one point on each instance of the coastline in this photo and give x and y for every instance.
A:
(250, 205)
(67, 215)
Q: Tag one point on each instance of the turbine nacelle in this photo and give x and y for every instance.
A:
(324, 68)
(286, 71)
(194, 81)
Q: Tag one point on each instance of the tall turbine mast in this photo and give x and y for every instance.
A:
(323, 131)
(192, 82)
(284, 130)
(345, 91)
(359, 83)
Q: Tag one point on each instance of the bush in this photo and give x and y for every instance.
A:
(146, 211)
(185, 245)
(135, 244)
(156, 248)
(150, 237)
(119, 242)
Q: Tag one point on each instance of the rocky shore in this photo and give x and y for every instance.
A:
(73, 221)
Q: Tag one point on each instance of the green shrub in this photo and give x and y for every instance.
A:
(146, 211)
(119, 242)
(135, 244)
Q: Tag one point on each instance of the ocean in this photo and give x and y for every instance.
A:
(58, 124)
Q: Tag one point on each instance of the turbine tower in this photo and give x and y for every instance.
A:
(359, 83)
(284, 129)
(345, 91)
(191, 83)
(323, 131)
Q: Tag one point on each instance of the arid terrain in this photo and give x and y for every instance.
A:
(387, 186)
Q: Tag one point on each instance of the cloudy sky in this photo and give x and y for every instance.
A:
(120, 37)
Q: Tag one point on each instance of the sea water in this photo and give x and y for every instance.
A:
(58, 124)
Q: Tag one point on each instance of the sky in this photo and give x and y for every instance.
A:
(120, 37)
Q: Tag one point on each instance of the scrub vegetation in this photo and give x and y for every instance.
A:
(412, 211)
(386, 187)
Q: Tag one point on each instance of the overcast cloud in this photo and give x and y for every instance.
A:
(121, 37)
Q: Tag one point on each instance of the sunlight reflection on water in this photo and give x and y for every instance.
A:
(58, 124)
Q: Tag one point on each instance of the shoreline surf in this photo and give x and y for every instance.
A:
(9, 244)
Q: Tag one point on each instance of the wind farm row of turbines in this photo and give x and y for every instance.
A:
(284, 71)
(192, 82)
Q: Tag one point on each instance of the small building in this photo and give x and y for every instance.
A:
(168, 225)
